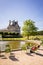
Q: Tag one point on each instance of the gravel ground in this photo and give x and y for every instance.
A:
(22, 58)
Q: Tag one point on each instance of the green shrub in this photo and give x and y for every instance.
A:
(23, 47)
(7, 49)
(42, 42)
(36, 38)
(30, 44)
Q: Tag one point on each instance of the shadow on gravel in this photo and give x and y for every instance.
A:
(13, 58)
(39, 54)
(29, 54)
(3, 56)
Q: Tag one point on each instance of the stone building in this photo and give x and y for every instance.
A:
(12, 30)
(13, 26)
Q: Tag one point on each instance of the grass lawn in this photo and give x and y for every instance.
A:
(12, 39)
(30, 37)
(38, 36)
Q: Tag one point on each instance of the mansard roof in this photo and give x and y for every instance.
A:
(13, 24)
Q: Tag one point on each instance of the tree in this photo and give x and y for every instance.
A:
(28, 28)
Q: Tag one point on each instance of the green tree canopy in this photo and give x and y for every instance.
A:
(29, 27)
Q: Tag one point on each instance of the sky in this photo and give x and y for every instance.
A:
(21, 10)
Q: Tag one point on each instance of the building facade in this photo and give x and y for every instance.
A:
(12, 30)
(13, 26)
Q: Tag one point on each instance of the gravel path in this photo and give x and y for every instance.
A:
(23, 58)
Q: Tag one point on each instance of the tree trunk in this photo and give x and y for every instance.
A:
(28, 37)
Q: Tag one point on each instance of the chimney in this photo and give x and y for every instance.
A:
(9, 22)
